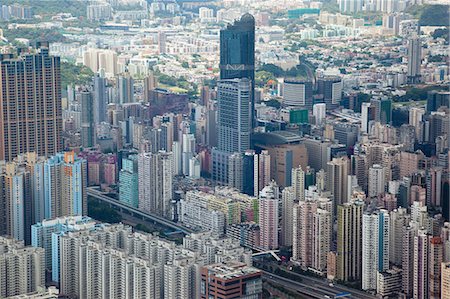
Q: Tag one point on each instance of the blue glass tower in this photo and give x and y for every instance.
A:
(237, 52)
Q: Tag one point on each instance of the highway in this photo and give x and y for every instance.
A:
(147, 216)
(314, 287)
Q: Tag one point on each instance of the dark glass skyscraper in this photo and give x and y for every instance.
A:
(237, 51)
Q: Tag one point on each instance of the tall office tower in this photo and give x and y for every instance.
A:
(445, 283)
(268, 216)
(228, 280)
(414, 60)
(377, 182)
(129, 181)
(155, 183)
(385, 111)
(41, 234)
(416, 120)
(331, 89)
(162, 42)
(303, 224)
(319, 112)
(237, 55)
(287, 216)
(150, 84)
(125, 87)
(234, 99)
(236, 171)
(337, 179)
(188, 151)
(350, 6)
(297, 93)
(317, 151)
(22, 269)
(375, 247)
(298, 183)
(100, 98)
(88, 127)
(31, 115)
(234, 123)
(421, 265)
(437, 99)
(261, 171)
(399, 219)
(65, 177)
(409, 234)
(435, 261)
(349, 241)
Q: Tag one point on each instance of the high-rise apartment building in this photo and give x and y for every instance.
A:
(298, 183)
(22, 269)
(421, 265)
(42, 234)
(65, 177)
(376, 181)
(287, 216)
(268, 216)
(399, 219)
(349, 241)
(375, 247)
(445, 280)
(155, 183)
(30, 104)
(337, 179)
(435, 262)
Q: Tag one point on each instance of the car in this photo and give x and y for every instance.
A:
(331, 285)
(326, 296)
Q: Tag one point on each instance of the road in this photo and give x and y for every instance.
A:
(314, 287)
(147, 216)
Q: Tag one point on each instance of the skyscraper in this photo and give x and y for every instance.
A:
(65, 179)
(445, 283)
(87, 119)
(414, 60)
(155, 183)
(331, 89)
(30, 101)
(349, 237)
(237, 53)
(376, 181)
(129, 181)
(421, 265)
(234, 123)
(375, 247)
(22, 269)
(268, 216)
(100, 98)
(298, 183)
(234, 99)
(337, 179)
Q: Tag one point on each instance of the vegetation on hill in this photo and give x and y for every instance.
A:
(46, 8)
(103, 212)
(431, 15)
(75, 74)
(34, 35)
